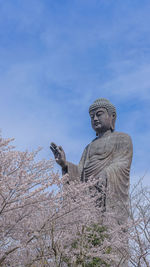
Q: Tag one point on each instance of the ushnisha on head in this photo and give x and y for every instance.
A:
(103, 115)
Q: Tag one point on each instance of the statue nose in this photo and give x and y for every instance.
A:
(95, 118)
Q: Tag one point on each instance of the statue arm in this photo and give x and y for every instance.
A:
(74, 171)
(118, 174)
(123, 153)
(121, 162)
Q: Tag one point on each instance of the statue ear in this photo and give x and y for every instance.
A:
(113, 119)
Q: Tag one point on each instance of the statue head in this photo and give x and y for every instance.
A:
(103, 115)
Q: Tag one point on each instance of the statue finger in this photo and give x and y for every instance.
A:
(61, 149)
(53, 149)
(53, 145)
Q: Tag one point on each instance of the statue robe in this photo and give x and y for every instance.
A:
(108, 159)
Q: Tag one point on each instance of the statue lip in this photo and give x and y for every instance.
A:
(97, 123)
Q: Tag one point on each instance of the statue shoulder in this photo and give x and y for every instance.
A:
(122, 135)
(123, 138)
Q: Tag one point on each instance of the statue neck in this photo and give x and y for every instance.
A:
(104, 133)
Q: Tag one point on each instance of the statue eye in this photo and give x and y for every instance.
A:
(99, 113)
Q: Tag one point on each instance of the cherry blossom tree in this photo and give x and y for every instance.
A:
(46, 221)
(139, 231)
(23, 184)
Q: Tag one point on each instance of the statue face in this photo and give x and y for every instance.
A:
(100, 119)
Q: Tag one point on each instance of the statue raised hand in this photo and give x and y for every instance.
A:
(59, 154)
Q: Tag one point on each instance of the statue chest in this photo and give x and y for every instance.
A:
(101, 147)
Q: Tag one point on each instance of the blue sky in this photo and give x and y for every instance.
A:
(58, 56)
